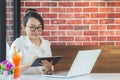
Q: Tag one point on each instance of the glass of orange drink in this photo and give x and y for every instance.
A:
(16, 57)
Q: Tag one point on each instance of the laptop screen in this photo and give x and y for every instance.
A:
(84, 62)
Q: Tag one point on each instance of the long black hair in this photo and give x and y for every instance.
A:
(32, 13)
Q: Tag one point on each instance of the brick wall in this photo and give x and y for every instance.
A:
(9, 21)
(78, 22)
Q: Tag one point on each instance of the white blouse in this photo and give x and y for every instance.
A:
(28, 51)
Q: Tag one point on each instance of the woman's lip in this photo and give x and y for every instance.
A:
(35, 34)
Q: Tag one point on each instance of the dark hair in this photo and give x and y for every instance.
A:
(32, 13)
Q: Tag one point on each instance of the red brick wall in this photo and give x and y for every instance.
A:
(78, 22)
(9, 21)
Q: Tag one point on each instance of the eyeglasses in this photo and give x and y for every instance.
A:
(33, 28)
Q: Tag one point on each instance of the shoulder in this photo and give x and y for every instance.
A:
(21, 39)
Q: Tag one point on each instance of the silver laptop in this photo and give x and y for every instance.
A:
(83, 64)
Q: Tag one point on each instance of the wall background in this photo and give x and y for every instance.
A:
(78, 22)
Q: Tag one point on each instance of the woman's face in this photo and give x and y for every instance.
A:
(33, 28)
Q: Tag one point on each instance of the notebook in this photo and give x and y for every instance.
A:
(82, 64)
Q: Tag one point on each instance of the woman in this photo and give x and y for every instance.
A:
(33, 45)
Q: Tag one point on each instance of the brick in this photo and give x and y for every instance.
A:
(117, 43)
(82, 38)
(66, 38)
(74, 9)
(90, 9)
(46, 21)
(58, 21)
(113, 15)
(58, 9)
(65, 15)
(49, 15)
(98, 27)
(65, 4)
(107, 9)
(50, 27)
(97, 4)
(46, 33)
(7, 16)
(118, 21)
(90, 43)
(106, 21)
(117, 32)
(90, 33)
(9, 3)
(74, 43)
(51, 38)
(99, 15)
(74, 21)
(81, 27)
(113, 27)
(113, 38)
(9, 21)
(22, 9)
(81, 4)
(58, 33)
(90, 21)
(32, 3)
(9, 9)
(49, 4)
(43, 9)
(81, 15)
(98, 38)
(109, 4)
(74, 33)
(22, 4)
(106, 43)
(107, 33)
(65, 27)
(9, 32)
(117, 9)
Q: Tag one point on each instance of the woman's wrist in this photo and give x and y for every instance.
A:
(25, 66)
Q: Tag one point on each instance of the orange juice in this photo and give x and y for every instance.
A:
(16, 60)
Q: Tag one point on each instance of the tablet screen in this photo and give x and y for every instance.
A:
(53, 59)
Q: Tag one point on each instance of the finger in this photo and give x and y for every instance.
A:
(41, 63)
(46, 62)
(51, 62)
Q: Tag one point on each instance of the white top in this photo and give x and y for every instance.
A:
(28, 50)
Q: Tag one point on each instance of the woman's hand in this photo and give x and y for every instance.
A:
(48, 66)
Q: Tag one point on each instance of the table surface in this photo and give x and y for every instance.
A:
(92, 76)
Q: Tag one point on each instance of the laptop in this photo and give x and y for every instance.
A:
(82, 64)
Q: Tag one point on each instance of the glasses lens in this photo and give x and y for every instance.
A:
(39, 28)
(33, 28)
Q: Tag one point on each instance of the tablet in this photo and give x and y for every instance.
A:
(54, 60)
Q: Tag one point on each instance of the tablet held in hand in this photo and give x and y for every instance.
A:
(53, 59)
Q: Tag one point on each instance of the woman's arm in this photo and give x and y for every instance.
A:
(25, 66)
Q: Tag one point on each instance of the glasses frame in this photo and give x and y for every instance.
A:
(33, 28)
